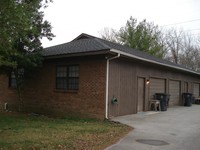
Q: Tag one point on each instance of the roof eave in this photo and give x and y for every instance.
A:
(77, 54)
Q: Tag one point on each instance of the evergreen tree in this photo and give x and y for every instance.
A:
(21, 29)
(143, 36)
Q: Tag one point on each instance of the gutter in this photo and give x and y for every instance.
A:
(90, 53)
(154, 62)
(107, 81)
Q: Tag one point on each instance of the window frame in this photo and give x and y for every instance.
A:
(12, 80)
(69, 80)
(12, 77)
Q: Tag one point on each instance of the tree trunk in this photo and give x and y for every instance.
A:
(19, 91)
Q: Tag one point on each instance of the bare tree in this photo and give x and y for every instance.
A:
(109, 34)
(183, 48)
(198, 41)
(173, 43)
(190, 55)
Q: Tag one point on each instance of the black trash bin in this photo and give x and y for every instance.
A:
(187, 99)
(167, 98)
(164, 100)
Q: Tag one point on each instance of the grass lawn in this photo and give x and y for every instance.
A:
(24, 132)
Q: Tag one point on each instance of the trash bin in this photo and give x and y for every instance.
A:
(167, 98)
(187, 99)
(164, 100)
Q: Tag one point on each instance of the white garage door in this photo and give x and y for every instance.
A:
(156, 86)
(174, 91)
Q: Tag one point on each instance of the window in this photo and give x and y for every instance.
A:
(12, 80)
(67, 77)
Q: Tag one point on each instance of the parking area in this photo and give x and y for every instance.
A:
(178, 128)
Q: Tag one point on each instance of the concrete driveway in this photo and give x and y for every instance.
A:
(178, 128)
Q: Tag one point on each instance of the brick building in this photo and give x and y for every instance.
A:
(85, 76)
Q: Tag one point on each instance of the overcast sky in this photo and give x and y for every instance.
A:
(70, 18)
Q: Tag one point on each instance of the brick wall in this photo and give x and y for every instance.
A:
(7, 95)
(41, 96)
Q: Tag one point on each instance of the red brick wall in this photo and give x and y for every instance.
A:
(41, 96)
(7, 95)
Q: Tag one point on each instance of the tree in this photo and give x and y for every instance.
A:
(174, 43)
(22, 28)
(191, 59)
(144, 36)
(109, 34)
(190, 55)
(183, 48)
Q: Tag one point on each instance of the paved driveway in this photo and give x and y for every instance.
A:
(178, 128)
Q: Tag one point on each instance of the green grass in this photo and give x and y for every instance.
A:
(24, 132)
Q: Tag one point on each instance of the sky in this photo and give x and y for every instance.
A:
(70, 18)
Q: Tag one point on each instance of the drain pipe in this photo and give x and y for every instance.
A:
(107, 80)
(6, 106)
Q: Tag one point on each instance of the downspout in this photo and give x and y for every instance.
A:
(107, 81)
(6, 106)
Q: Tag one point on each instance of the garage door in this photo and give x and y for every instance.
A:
(174, 91)
(196, 89)
(156, 86)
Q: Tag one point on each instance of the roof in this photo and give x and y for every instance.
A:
(85, 43)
